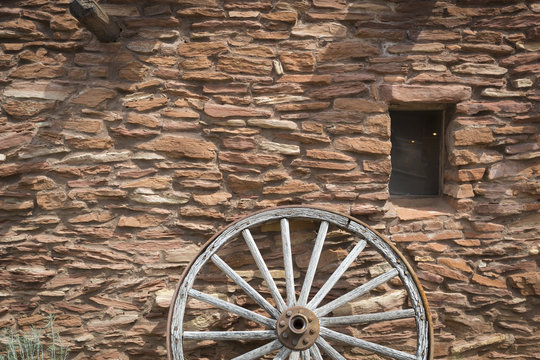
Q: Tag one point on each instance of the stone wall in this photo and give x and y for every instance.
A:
(118, 160)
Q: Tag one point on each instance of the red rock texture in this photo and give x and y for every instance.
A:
(118, 160)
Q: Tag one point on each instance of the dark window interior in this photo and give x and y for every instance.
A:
(416, 152)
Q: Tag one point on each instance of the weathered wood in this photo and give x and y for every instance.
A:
(264, 269)
(245, 286)
(283, 354)
(313, 262)
(329, 350)
(260, 351)
(333, 279)
(363, 234)
(359, 291)
(391, 254)
(95, 19)
(376, 348)
(235, 309)
(367, 318)
(295, 355)
(288, 262)
(230, 335)
(314, 351)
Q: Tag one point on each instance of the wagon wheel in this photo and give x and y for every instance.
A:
(366, 305)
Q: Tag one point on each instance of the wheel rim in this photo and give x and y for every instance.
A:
(302, 298)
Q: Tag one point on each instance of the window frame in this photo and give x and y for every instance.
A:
(444, 110)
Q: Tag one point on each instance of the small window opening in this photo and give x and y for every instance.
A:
(416, 152)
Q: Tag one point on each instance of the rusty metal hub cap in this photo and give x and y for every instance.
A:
(298, 328)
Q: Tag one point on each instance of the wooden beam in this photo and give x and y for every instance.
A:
(95, 19)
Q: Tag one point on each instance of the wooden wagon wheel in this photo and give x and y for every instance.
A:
(219, 312)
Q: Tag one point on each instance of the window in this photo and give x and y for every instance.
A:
(416, 152)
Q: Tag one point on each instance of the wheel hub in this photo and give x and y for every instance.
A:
(298, 328)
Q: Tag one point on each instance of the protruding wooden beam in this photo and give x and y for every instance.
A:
(95, 19)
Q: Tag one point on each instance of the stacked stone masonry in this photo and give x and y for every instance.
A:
(118, 160)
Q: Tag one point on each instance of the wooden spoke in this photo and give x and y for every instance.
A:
(264, 269)
(328, 349)
(260, 351)
(227, 306)
(313, 262)
(367, 318)
(283, 354)
(310, 316)
(314, 351)
(287, 259)
(337, 275)
(230, 335)
(378, 349)
(359, 291)
(295, 355)
(245, 286)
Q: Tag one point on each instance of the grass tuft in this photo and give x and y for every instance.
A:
(29, 345)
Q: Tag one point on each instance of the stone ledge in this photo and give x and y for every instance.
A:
(429, 94)
(414, 209)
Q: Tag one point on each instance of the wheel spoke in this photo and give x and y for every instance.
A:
(359, 291)
(313, 262)
(295, 355)
(367, 318)
(336, 275)
(376, 348)
(245, 286)
(260, 351)
(314, 351)
(230, 335)
(287, 259)
(264, 270)
(318, 296)
(238, 310)
(328, 349)
(283, 354)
